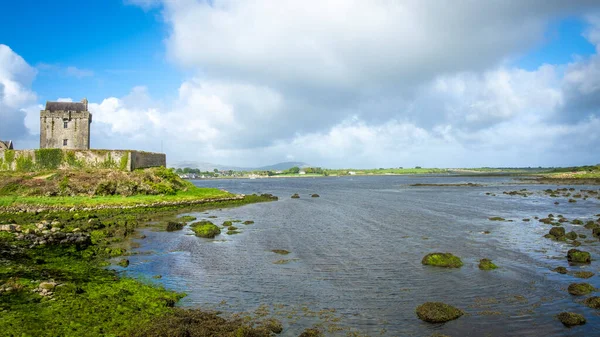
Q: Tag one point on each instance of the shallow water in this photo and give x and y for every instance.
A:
(356, 251)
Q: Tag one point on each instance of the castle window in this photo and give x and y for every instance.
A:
(65, 142)
(66, 124)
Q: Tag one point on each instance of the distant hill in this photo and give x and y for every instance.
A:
(209, 166)
(282, 166)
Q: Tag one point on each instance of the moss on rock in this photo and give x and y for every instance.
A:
(174, 226)
(446, 260)
(571, 235)
(311, 332)
(487, 264)
(571, 318)
(560, 270)
(579, 289)
(592, 302)
(205, 229)
(583, 274)
(557, 231)
(578, 256)
(437, 312)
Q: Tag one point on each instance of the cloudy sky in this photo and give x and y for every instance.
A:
(334, 83)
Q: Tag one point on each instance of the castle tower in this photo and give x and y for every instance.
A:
(65, 125)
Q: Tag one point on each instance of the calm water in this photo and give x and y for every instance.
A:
(356, 251)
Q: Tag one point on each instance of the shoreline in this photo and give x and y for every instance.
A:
(53, 271)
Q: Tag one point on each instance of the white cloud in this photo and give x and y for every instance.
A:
(15, 93)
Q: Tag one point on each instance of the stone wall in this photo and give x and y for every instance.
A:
(141, 159)
(56, 127)
(50, 159)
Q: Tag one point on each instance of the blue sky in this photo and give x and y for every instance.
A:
(122, 45)
(335, 84)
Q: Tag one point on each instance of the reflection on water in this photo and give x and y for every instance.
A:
(356, 251)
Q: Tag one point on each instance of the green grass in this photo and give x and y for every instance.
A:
(91, 300)
(84, 201)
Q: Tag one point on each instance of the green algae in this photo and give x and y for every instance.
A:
(437, 312)
(446, 260)
(205, 229)
(571, 319)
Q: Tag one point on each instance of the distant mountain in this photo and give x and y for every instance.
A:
(282, 166)
(209, 166)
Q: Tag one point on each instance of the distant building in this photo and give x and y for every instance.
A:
(65, 125)
(6, 145)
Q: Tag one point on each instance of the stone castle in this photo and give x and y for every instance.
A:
(65, 143)
(65, 125)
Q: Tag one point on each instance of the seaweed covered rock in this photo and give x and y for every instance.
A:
(446, 260)
(437, 312)
(571, 235)
(315, 195)
(272, 324)
(205, 229)
(596, 231)
(571, 318)
(557, 232)
(295, 196)
(592, 302)
(583, 274)
(311, 332)
(487, 264)
(560, 270)
(174, 226)
(579, 289)
(227, 223)
(578, 256)
(123, 263)
(248, 222)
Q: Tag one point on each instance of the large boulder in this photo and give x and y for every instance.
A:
(446, 260)
(437, 312)
(571, 318)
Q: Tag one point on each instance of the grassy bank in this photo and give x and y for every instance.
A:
(93, 188)
(60, 288)
(53, 276)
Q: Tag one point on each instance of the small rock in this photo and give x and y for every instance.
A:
(579, 289)
(571, 318)
(487, 264)
(592, 302)
(437, 312)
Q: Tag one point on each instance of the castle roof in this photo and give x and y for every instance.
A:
(6, 144)
(66, 106)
